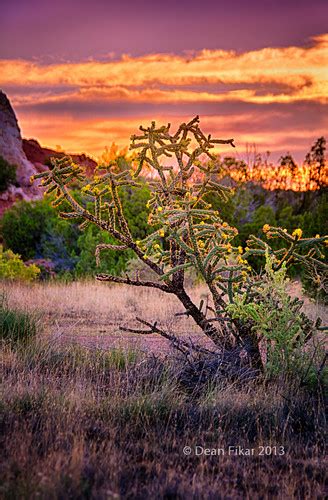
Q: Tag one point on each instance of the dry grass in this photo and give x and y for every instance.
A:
(81, 424)
(91, 313)
(85, 423)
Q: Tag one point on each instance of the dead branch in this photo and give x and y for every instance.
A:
(181, 345)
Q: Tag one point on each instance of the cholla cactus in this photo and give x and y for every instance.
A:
(190, 234)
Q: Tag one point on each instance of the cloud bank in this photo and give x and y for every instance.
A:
(275, 97)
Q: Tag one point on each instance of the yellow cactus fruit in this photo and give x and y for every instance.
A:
(86, 188)
(297, 233)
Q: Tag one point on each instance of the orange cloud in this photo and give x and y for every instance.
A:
(302, 69)
(66, 103)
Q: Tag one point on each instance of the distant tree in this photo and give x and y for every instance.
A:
(317, 164)
(287, 162)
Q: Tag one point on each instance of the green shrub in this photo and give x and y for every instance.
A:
(277, 319)
(134, 203)
(87, 244)
(33, 230)
(13, 268)
(23, 224)
(7, 174)
(15, 325)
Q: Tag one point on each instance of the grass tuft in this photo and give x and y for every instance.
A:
(16, 325)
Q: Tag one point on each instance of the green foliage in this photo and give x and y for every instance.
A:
(7, 174)
(23, 225)
(262, 215)
(87, 244)
(34, 230)
(226, 207)
(15, 325)
(134, 205)
(315, 219)
(13, 268)
(277, 320)
(59, 244)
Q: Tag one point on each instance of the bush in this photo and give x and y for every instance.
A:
(134, 203)
(59, 244)
(7, 174)
(278, 320)
(87, 244)
(34, 230)
(23, 225)
(13, 268)
(15, 325)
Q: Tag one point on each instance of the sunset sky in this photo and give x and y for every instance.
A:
(82, 74)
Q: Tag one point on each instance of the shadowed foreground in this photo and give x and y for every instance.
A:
(80, 421)
(77, 423)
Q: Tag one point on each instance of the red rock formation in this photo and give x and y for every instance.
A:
(40, 156)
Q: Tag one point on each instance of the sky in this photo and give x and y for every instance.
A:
(83, 74)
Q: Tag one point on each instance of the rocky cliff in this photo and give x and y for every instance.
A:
(11, 149)
(28, 157)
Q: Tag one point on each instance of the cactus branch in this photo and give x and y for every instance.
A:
(128, 281)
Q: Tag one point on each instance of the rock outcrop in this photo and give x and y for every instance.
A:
(28, 156)
(11, 149)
